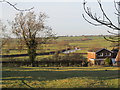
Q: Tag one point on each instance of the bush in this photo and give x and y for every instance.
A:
(85, 64)
(66, 60)
(108, 61)
(73, 60)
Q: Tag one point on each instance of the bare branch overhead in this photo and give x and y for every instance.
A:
(14, 6)
(104, 20)
(101, 21)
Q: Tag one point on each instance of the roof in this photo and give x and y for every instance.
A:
(104, 49)
(98, 50)
(115, 50)
(118, 56)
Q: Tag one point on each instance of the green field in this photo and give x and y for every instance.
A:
(84, 45)
(83, 42)
(60, 77)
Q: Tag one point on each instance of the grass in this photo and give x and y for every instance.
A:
(84, 45)
(60, 77)
(94, 42)
(24, 58)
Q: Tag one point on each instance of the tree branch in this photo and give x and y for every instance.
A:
(95, 18)
(110, 39)
(14, 6)
(103, 21)
(112, 33)
(91, 22)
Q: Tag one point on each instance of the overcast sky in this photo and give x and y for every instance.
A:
(65, 17)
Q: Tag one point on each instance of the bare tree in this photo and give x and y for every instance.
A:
(3, 28)
(104, 20)
(32, 29)
(3, 35)
(14, 6)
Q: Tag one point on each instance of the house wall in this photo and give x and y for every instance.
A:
(99, 56)
(91, 55)
(91, 62)
(118, 63)
(99, 62)
(117, 59)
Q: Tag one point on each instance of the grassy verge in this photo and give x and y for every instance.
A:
(60, 77)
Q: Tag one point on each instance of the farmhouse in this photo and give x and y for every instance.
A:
(97, 56)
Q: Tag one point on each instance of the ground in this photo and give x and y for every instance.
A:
(60, 77)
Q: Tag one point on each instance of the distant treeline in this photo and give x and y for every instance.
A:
(83, 35)
(84, 39)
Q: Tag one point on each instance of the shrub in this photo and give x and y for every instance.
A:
(108, 61)
(66, 60)
(85, 64)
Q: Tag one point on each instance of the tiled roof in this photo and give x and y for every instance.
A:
(98, 50)
(115, 50)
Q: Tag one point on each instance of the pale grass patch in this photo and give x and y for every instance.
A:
(60, 68)
(75, 82)
(75, 77)
(28, 77)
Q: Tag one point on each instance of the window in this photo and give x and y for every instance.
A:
(100, 54)
(107, 54)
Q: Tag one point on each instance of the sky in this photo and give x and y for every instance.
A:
(65, 16)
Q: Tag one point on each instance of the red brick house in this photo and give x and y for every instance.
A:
(97, 56)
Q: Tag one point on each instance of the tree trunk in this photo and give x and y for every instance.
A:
(32, 55)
